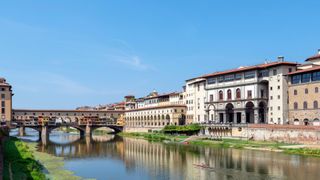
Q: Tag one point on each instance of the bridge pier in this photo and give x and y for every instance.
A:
(22, 131)
(88, 131)
(44, 133)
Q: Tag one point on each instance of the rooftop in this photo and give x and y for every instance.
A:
(247, 68)
(305, 70)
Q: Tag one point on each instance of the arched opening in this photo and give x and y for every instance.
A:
(229, 113)
(229, 94)
(262, 112)
(238, 93)
(306, 122)
(316, 122)
(296, 122)
(220, 95)
(249, 112)
(182, 119)
(167, 119)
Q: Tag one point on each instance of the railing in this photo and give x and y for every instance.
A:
(225, 124)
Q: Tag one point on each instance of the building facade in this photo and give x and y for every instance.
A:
(6, 101)
(253, 94)
(304, 95)
(155, 111)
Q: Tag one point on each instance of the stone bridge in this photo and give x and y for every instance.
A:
(44, 121)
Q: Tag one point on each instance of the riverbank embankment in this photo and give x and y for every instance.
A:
(297, 149)
(23, 161)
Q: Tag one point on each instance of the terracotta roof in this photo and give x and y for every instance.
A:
(64, 110)
(156, 107)
(248, 68)
(317, 56)
(305, 70)
(161, 95)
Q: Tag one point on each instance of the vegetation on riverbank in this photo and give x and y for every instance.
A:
(23, 161)
(154, 136)
(303, 151)
(187, 129)
(229, 143)
(19, 162)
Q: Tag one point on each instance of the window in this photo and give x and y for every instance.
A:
(220, 95)
(315, 104)
(278, 87)
(211, 80)
(306, 91)
(263, 73)
(211, 97)
(220, 79)
(270, 88)
(295, 105)
(3, 110)
(316, 76)
(249, 94)
(229, 96)
(290, 70)
(306, 78)
(295, 92)
(3, 104)
(305, 105)
(271, 97)
(238, 94)
(3, 96)
(278, 96)
(198, 87)
(296, 79)
(249, 74)
(275, 72)
(279, 108)
(262, 93)
(316, 89)
(229, 77)
(238, 76)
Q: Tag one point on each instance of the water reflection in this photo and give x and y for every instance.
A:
(113, 157)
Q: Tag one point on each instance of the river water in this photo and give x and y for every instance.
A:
(114, 157)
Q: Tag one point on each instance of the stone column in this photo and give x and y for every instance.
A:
(22, 131)
(88, 130)
(224, 118)
(243, 117)
(44, 132)
(256, 116)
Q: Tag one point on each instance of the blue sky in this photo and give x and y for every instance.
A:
(64, 54)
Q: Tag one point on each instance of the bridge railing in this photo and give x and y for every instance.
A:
(58, 122)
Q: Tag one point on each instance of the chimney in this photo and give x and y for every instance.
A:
(280, 58)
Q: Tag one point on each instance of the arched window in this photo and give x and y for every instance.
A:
(220, 95)
(306, 91)
(316, 89)
(305, 105)
(238, 94)
(229, 96)
(295, 92)
(315, 104)
(295, 105)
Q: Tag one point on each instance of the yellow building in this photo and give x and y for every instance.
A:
(304, 95)
(6, 102)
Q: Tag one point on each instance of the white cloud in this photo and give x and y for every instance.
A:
(131, 61)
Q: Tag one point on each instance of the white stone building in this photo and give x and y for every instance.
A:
(155, 111)
(253, 94)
